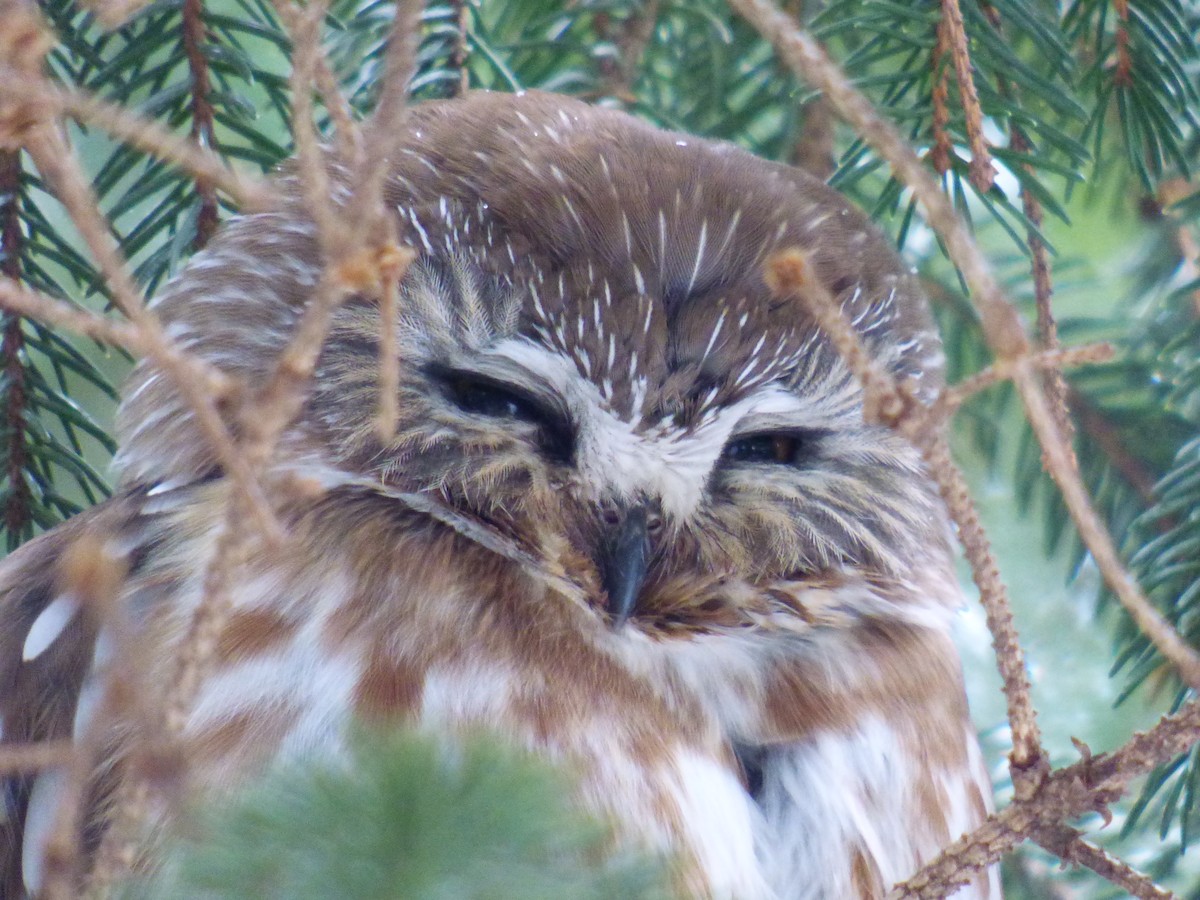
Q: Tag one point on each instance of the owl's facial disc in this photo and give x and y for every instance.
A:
(637, 488)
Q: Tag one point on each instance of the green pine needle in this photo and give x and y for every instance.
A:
(407, 817)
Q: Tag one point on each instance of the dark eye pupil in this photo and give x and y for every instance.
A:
(487, 400)
(764, 448)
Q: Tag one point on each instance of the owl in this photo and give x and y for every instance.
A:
(630, 516)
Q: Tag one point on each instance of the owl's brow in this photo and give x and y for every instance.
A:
(506, 371)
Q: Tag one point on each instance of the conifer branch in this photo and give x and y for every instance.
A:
(194, 37)
(17, 513)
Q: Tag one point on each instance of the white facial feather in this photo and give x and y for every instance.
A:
(623, 459)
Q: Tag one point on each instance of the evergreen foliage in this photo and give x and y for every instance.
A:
(1088, 97)
(403, 817)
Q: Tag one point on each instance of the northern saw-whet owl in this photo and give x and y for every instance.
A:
(631, 516)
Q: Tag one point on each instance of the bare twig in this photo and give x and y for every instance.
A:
(346, 131)
(366, 215)
(248, 193)
(1123, 70)
(1051, 360)
(458, 56)
(192, 17)
(982, 173)
(1069, 846)
(1087, 786)
(631, 38)
(34, 305)
(1055, 383)
(940, 153)
(1027, 758)
(18, 509)
(92, 569)
(359, 253)
(1095, 536)
(20, 759)
(809, 61)
(133, 800)
(357, 240)
(304, 27)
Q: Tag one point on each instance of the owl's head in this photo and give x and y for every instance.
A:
(592, 364)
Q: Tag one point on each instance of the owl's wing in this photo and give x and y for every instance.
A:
(47, 639)
(866, 808)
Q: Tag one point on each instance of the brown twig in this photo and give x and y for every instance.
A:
(942, 151)
(346, 131)
(631, 40)
(1056, 385)
(366, 215)
(133, 797)
(133, 800)
(1028, 761)
(357, 240)
(982, 173)
(18, 509)
(1049, 360)
(350, 263)
(304, 29)
(193, 37)
(1123, 71)
(1096, 537)
(1055, 382)
(809, 62)
(1067, 793)
(93, 569)
(49, 100)
(21, 759)
(23, 301)
(458, 55)
(1069, 846)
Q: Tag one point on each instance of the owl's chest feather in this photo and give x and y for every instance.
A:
(651, 725)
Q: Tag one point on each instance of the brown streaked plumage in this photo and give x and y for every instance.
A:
(631, 516)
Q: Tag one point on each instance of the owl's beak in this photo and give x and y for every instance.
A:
(623, 561)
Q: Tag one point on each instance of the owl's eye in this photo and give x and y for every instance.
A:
(775, 447)
(486, 399)
(481, 396)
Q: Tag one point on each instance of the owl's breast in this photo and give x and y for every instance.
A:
(383, 615)
(377, 614)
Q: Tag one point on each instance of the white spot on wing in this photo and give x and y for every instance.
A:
(699, 254)
(40, 817)
(48, 626)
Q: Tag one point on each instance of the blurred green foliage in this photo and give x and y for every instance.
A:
(402, 816)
